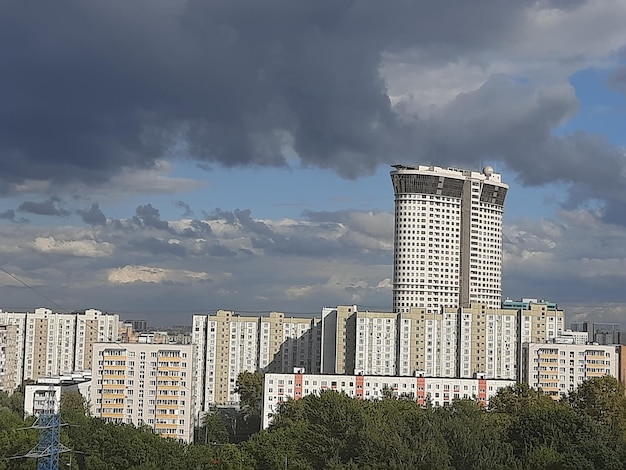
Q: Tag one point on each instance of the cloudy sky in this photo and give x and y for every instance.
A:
(160, 158)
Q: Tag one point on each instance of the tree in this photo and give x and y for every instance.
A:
(212, 429)
(601, 398)
(517, 398)
(250, 390)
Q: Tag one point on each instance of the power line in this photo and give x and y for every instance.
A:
(63, 310)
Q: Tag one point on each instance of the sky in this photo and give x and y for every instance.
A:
(160, 158)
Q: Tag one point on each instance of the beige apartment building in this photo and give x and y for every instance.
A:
(228, 343)
(557, 368)
(145, 384)
(8, 358)
(49, 343)
(360, 341)
(288, 342)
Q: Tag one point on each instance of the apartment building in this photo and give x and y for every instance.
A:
(488, 341)
(447, 237)
(288, 342)
(278, 388)
(228, 343)
(558, 368)
(49, 343)
(538, 320)
(358, 341)
(145, 384)
(8, 355)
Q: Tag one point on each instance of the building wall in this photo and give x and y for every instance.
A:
(228, 344)
(8, 357)
(145, 384)
(278, 388)
(46, 394)
(18, 322)
(447, 238)
(557, 369)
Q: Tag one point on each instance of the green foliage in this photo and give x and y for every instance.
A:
(212, 429)
(522, 430)
(250, 390)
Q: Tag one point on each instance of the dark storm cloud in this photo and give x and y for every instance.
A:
(93, 215)
(150, 217)
(505, 120)
(220, 251)
(89, 87)
(48, 207)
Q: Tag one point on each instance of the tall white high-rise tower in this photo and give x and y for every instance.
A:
(447, 237)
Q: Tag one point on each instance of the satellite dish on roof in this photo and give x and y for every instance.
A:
(488, 171)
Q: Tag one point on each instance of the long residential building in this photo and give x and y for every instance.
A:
(447, 238)
(455, 342)
(278, 388)
(145, 384)
(49, 343)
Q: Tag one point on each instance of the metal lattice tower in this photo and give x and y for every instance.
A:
(49, 446)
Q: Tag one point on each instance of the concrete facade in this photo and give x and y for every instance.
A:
(145, 384)
(447, 237)
(278, 388)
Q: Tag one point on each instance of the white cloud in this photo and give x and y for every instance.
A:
(82, 248)
(129, 274)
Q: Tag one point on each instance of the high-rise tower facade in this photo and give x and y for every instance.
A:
(447, 237)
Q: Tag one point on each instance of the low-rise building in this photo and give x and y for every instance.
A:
(45, 394)
(439, 391)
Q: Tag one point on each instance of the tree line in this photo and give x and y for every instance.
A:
(521, 429)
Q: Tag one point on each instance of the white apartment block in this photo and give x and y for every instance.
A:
(557, 368)
(49, 343)
(374, 349)
(45, 395)
(145, 384)
(278, 388)
(447, 237)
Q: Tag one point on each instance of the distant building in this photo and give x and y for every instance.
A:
(447, 238)
(45, 394)
(557, 369)
(145, 384)
(138, 325)
(277, 388)
(601, 333)
(572, 337)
